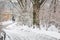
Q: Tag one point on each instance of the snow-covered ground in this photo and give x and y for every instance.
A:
(15, 31)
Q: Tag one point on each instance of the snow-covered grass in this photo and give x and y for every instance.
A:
(23, 32)
(32, 34)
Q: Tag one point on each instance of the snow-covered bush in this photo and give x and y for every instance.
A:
(53, 26)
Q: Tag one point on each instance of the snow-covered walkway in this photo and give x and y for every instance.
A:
(30, 34)
(19, 32)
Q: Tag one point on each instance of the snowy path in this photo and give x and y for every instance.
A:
(31, 34)
(18, 32)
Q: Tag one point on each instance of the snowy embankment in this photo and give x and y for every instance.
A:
(18, 32)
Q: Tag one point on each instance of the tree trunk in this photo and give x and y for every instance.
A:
(36, 8)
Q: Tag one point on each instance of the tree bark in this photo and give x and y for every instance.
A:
(36, 8)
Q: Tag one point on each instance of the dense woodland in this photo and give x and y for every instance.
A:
(33, 12)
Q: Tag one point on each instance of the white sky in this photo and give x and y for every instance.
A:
(14, 0)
